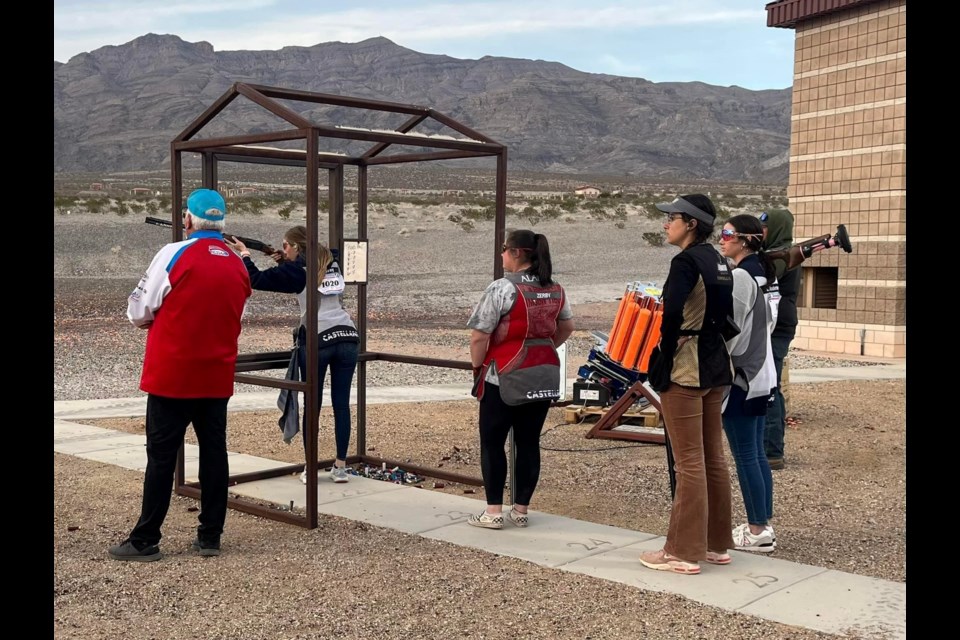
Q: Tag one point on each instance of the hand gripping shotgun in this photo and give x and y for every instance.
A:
(799, 252)
(250, 243)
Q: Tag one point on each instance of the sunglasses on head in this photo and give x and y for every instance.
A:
(504, 247)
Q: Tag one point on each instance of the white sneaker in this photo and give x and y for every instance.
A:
(743, 540)
(339, 474)
(303, 476)
(519, 519)
(486, 521)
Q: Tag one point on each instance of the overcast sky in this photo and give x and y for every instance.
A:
(720, 42)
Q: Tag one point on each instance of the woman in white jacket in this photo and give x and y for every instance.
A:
(755, 299)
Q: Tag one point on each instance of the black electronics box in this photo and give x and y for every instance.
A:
(590, 394)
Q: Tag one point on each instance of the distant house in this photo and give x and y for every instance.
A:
(586, 191)
(141, 191)
(239, 191)
(96, 186)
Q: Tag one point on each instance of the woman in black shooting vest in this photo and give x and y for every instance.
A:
(690, 372)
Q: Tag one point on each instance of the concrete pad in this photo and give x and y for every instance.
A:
(747, 578)
(65, 429)
(832, 374)
(108, 408)
(282, 490)
(841, 603)
(129, 457)
(549, 541)
(409, 509)
(80, 444)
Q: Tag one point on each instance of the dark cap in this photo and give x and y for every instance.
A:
(680, 205)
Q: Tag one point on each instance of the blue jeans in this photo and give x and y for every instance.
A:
(745, 435)
(341, 359)
(776, 421)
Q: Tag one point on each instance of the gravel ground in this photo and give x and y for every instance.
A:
(837, 505)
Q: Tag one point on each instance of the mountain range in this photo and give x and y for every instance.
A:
(118, 107)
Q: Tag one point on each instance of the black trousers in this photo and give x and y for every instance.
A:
(167, 420)
(496, 419)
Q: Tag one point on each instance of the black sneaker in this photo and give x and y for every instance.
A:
(128, 551)
(206, 548)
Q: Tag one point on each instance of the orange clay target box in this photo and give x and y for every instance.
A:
(620, 359)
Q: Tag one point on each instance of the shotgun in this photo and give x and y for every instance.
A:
(799, 252)
(256, 245)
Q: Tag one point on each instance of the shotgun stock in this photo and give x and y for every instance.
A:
(251, 243)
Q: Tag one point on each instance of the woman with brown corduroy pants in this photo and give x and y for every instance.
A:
(690, 371)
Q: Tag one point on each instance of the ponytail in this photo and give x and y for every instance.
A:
(535, 245)
(541, 265)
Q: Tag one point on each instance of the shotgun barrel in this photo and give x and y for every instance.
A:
(250, 243)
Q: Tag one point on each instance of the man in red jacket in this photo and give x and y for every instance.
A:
(191, 301)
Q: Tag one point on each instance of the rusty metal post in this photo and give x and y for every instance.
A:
(361, 316)
(311, 405)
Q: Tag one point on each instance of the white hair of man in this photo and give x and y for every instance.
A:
(202, 224)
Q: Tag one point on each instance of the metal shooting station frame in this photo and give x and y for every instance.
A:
(296, 126)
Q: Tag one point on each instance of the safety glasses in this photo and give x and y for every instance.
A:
(730, 234)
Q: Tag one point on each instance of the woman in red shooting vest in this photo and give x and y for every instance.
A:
(517, 325)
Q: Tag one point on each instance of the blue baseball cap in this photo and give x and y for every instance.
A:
(203, 203)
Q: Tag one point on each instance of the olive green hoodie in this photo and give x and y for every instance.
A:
(779, 225)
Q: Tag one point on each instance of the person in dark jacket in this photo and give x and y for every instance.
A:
(691, 373)
(778, 234)
(338, 341)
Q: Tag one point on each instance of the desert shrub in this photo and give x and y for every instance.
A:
(63, 204)
(620, 224)
(137, 207)
(732, 201)
(96, 205)
(424, 201)
(531, 214)
(467, 225)
(286, 210)
(650, 211)
(153, 208)
(120, 208)
(486, 213)
(655, 238)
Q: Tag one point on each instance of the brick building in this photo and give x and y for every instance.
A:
(848, 163)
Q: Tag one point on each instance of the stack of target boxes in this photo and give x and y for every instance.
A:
(616, 364)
